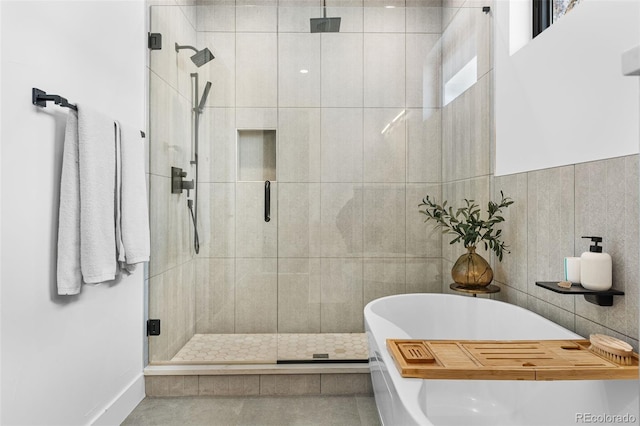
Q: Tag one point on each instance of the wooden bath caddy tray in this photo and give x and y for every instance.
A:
(505, 360)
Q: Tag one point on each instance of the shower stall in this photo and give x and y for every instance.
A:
(310, 152)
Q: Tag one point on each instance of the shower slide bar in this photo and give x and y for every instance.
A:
(40, 98)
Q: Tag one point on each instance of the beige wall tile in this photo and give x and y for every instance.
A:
(298, 145)
(554, 313)
(299, 295)
(217, 219)
(299, 220)
(172, 300)
(229, 385)
(293, 16)
(256, 295)
(215, 296)
(345, 384)
(423, 74)
(378, 18)
(512, 271)
(425, 275)
(169, 121)
(385, 145)
(424, 17)
(423, 239)
(424, 145)
(384, 220)
(383, 277)
(341, 295)
(351, 13)
(175, 28)
(297, 52)
(217, 146)
(342, 71)
(219, 16)
(380, 50)
(550, 230)
(341, 219)
(341, 149)
(256, 69)
(256, 16)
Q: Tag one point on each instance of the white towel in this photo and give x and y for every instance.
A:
(68, 271)
(133, 225)
(97, 164)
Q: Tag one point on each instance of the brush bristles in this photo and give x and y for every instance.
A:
(618, 359)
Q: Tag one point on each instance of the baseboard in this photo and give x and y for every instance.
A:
(122, 405)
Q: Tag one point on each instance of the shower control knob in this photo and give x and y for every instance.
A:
(188, 184)
(178, 184)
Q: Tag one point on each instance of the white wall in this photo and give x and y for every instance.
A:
(65, 360)
(562, 99)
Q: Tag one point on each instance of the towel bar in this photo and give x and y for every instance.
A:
(40, 98)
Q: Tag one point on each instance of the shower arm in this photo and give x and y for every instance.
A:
(178, 48)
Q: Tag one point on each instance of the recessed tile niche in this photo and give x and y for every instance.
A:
(256, 155)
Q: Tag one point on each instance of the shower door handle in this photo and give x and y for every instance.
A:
(267, 201)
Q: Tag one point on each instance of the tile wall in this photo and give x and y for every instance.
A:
(553, 207)
(358, 146)
(260, 384)
(172, 273)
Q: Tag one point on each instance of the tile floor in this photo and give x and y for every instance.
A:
(269, 348)
(219, 411)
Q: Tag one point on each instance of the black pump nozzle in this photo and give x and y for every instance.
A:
(595, 248)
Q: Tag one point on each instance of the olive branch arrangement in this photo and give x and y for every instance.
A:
(465, 222)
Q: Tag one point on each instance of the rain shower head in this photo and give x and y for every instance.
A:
(324, 24)
(201, 57)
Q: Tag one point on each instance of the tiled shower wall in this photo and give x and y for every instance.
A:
(358, 146)
(553, 207)
(171, 279)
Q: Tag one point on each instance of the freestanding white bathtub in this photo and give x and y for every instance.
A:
(403, 401)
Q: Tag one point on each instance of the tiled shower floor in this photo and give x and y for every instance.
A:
(270, 348)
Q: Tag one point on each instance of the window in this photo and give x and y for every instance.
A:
(546, 12)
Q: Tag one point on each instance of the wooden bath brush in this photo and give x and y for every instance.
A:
(611, 348)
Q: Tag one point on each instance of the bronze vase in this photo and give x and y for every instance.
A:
(471, 270)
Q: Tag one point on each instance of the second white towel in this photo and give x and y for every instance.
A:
(97, 164)
(133, 226)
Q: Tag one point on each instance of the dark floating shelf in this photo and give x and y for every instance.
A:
(601, 298)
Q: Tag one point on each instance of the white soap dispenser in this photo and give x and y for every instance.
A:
(595, 267)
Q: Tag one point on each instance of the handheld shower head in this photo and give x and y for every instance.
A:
(201, 57)
(205, 94)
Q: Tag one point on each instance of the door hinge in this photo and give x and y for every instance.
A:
(153, 327)
(155, 41)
